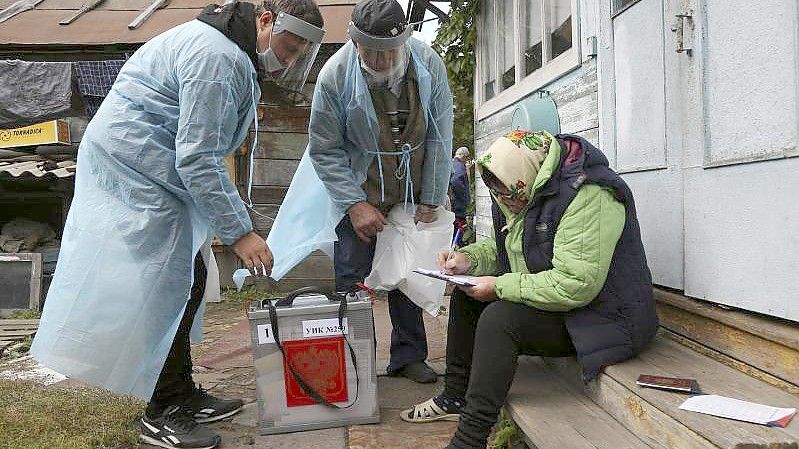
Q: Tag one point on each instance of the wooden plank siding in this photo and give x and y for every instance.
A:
(575, 96)
(281, 141)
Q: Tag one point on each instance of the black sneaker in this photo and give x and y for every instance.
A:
(175, 429)
(205, 408)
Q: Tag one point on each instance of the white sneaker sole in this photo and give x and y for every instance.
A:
(447, 417)
(211, 419)
(153, 442)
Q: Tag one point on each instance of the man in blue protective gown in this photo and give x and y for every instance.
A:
(381, 135)
(151, 189)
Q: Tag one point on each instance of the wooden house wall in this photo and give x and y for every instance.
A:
(282, 139)
(575, 96)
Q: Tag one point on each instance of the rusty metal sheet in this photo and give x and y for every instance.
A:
(138, 5)
(108, 26)
(96, 27)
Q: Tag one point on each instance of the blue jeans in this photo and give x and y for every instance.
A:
(352, 262)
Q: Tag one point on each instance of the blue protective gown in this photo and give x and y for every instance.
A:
(151, 187)
(342, 143)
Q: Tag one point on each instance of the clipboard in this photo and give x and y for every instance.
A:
(462, 281)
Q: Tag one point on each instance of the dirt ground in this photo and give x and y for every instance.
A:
(49, 411)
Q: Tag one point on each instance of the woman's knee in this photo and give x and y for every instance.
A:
(497, 318)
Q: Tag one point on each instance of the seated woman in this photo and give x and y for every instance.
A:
(564, 274)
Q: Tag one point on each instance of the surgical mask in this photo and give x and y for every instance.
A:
(269, 61)
(388, 77)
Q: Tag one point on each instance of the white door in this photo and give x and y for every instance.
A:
(741, 122)
(639, 124)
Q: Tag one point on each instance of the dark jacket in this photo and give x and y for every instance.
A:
(621, 320)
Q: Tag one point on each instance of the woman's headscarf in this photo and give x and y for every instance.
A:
(516, 158)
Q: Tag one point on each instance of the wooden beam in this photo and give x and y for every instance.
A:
(17, 333)
(17, 8)
(149, 11)
(769, 345)
(88, 6)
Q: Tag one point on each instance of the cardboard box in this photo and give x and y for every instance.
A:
(46, 133)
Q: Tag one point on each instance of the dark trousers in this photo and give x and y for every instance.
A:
(175, 384)
(352, 262)
(484, 341)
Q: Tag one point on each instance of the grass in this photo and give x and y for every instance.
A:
(507, 435)
(28, 314)
(17, 349)
(33, 417)
(36, 417)
(238, 300)
(21, 347)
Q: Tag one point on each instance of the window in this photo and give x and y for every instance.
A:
(523, 45)
(488, 28)
(620, 5)
(533, 38)
(507, 63)
(560, 26)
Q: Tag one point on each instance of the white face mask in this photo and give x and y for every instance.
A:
(269, 61)
(389, 77)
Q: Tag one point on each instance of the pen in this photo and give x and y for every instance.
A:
(455, 239)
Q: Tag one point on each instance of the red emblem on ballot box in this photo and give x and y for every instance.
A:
(322, 365)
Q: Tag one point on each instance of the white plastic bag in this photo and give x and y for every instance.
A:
(404, 246)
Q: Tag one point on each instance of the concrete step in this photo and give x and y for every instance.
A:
(654, 416)
(767, 344)
(553, 414)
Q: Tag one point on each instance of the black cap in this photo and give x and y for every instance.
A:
(379, 18)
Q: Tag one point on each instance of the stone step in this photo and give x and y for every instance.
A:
(767, 344)
(552, 414)
(654, 415)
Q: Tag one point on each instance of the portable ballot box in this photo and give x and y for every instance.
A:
(307, 378)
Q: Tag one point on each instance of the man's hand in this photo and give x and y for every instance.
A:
(425, 213)
(484, 290)
(254, 252)
(459, 263)
(367, 221)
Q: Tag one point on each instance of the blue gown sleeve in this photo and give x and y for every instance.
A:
(438, 163)
(213, 93)
(326, 147)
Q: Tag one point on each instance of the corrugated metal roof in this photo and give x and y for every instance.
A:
(108, 23)
(37, 169)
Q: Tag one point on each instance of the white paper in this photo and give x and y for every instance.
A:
(265, 334)
(323, 328)
(467, 281)
(724, 407)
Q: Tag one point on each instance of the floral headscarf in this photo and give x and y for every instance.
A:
(516, 159)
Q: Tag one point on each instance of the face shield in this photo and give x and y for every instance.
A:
(293, 47)
(384, 60)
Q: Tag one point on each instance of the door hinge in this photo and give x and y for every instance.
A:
(684, 27)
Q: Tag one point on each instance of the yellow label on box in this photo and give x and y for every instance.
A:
(52, 132)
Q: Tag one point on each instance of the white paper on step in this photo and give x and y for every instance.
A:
(725, 407)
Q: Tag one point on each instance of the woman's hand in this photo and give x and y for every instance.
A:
(459, 263)
(484, 289)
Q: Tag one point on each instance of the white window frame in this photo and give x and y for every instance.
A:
(550, 71)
